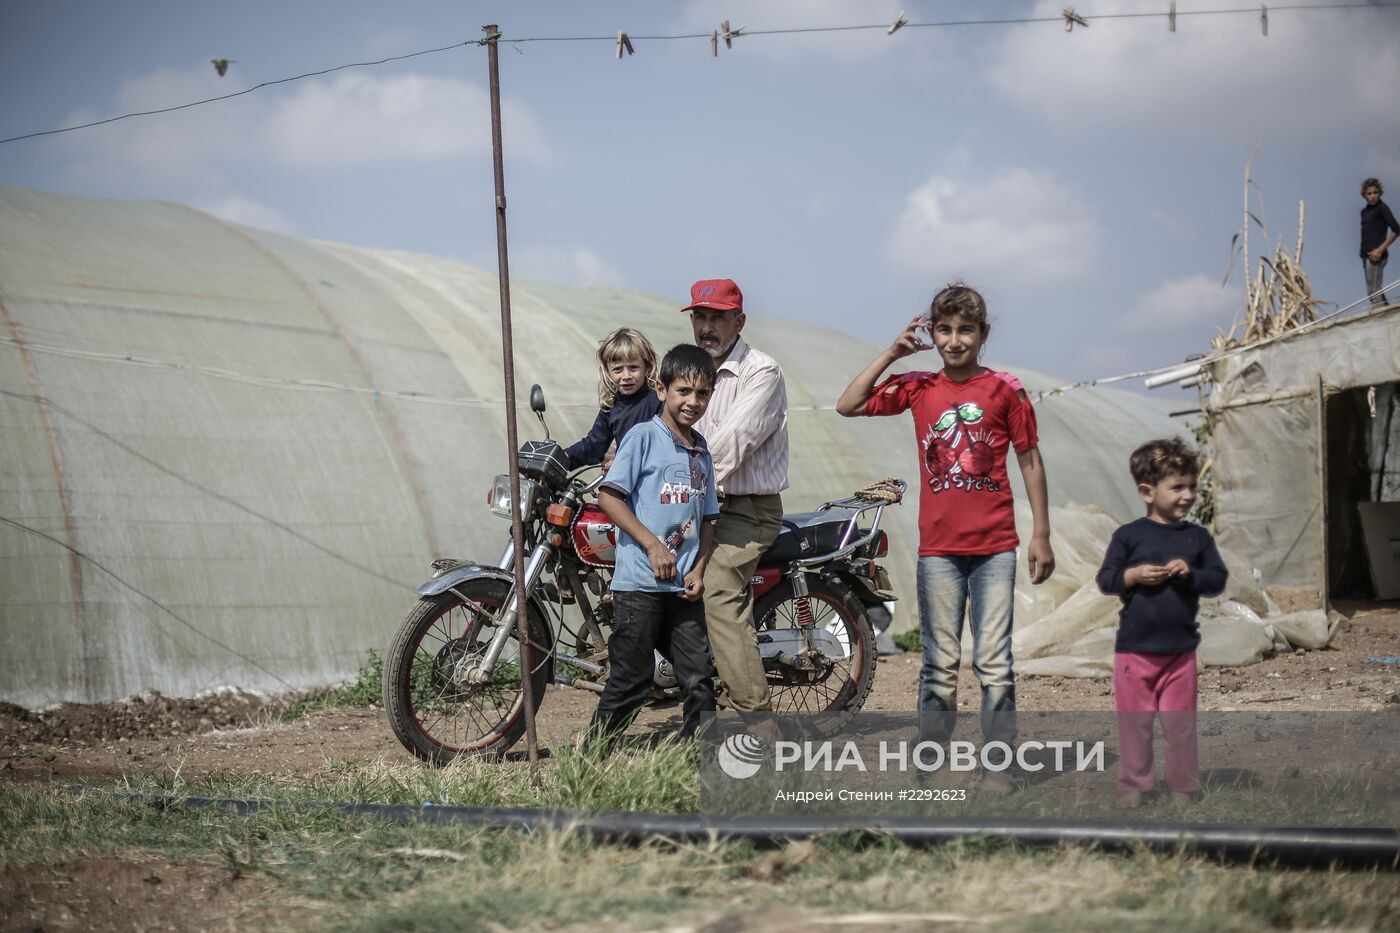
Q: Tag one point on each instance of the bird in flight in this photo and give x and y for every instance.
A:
(221, 64)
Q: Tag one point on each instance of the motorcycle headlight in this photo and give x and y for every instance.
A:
(500, 496)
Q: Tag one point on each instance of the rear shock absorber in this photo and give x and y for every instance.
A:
(803, 601)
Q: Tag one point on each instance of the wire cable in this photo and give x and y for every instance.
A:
(210, 100)
(1209, 358)
(146, 596)
(270, 382)
(737, 34)
(227, 500)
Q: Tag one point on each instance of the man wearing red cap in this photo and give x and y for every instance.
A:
(746, 429)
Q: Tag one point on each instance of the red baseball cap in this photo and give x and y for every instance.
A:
(720, 294)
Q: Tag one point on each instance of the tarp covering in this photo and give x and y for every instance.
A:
(1067, 627)
(207, 500)
(1265, 405)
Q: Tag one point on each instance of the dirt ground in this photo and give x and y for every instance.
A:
(110, 894)
(237, 732)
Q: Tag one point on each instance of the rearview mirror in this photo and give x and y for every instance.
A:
(537, 399)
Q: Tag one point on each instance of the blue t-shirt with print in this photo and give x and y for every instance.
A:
(670, 488)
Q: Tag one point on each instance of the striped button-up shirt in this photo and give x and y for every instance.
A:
(746, 424)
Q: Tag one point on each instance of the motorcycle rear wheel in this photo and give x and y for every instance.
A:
(833, 698)
(432, 713)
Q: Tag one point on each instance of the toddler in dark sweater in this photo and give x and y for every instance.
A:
(1161, 565)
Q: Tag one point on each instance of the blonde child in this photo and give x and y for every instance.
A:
(627, 383)
(966, 419)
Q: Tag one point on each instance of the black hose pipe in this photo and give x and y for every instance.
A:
(1291, 845)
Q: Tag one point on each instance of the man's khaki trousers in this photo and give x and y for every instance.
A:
(747, 527)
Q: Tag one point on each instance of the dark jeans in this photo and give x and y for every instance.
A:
(642, 623)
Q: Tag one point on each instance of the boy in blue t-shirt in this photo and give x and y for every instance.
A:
(660, 493)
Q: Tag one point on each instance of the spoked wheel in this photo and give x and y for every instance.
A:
(437, 710)
(830, 686)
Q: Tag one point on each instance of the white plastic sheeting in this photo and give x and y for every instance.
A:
(1266, 406)
(1067, 627)
(169, 411)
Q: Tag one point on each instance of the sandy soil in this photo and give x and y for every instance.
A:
(134, 893)
(236, 732)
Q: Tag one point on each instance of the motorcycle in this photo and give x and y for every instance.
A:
(452, 674)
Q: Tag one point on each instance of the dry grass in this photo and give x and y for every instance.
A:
(354, 873)
(1278, 297)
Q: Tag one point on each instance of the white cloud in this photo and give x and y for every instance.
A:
(566, 265)
(1177, 302)
(1015, 226)
(1315, 70)
(358, 119)
(241, 210)
(349, 120)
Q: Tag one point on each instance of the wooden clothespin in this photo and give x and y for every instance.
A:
(898, 23)
(1073, 19)
(623, 43)
(714, 43)
(1264, 18)
(1171, 17)
(730, 34)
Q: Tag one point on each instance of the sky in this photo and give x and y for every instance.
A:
(1087, 182)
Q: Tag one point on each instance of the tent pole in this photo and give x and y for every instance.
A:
(517, 527)
(1324, 511)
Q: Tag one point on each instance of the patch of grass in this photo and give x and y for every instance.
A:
(909, 641)
(660, 779)
(365, 690)
(359, 873)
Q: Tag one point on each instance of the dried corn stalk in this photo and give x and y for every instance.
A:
(1279, 297)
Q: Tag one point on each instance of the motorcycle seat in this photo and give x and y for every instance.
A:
(806, 534)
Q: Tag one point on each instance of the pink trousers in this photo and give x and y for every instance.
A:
(1148, 685)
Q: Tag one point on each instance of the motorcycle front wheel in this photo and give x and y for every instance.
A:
(434, 710)
(834, 692)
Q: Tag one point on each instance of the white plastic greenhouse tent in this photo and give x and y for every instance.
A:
(212, 472)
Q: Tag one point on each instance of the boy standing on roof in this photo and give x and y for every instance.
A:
(1378, 231)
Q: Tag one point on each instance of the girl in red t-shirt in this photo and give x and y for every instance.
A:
(966, 418)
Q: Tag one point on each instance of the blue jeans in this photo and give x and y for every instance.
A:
(1375, 278)
(982, 587)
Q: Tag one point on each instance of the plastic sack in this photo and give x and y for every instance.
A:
(1086, 611)
(1309, 629)
(1232, 641)
(1079, 536)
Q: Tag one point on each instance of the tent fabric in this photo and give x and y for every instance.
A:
(1265, 405)
(223, 514)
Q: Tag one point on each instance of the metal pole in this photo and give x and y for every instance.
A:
(517, 528)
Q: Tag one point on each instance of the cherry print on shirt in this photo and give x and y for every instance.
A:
(957, 456)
